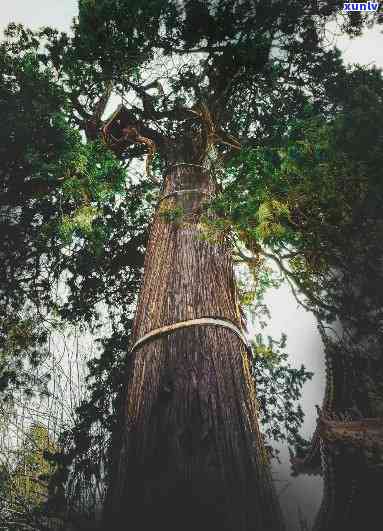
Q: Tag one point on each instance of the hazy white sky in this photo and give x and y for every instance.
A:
(304, 343)
(37, 13)
(367, 49)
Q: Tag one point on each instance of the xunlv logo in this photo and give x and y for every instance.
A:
(365, 6)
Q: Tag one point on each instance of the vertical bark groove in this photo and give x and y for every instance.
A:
(192, 455)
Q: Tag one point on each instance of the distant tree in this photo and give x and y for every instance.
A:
(25, 480)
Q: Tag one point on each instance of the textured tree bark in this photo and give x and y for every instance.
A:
(192, 456)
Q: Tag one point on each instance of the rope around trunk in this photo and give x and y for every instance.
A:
(210, 321)
(185, 191)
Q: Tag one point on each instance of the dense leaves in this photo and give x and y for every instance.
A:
(306, 201)
(279, 387)
(57, 195)
(24, 481)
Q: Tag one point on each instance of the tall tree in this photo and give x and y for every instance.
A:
(200, 81)
(190, 419)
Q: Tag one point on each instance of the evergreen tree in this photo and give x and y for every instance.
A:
(200, 82)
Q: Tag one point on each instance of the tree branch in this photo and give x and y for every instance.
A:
(93, 123)
(291, 279)
(150, 113)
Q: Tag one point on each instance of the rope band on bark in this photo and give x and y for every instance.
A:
(186, 164)
(176, 192)
(210, 321)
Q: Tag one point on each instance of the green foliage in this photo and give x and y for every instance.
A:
(59, 196)
(116, 37)
(172, 214)
(21, 339)
(93, 174)
(29, 479)
(92, 439)
(278, 384)
(306, 199)
(81, 220)
(253, 282)
(105, 264)
(279, 388)
(25, 482)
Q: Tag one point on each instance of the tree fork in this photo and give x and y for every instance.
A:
(192, 455)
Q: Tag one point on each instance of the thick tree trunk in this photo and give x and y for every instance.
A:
(192, 456)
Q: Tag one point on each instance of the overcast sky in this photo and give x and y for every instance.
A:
(304, 343)
(37, 13)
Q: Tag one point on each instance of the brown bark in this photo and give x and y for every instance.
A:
(192, 455)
